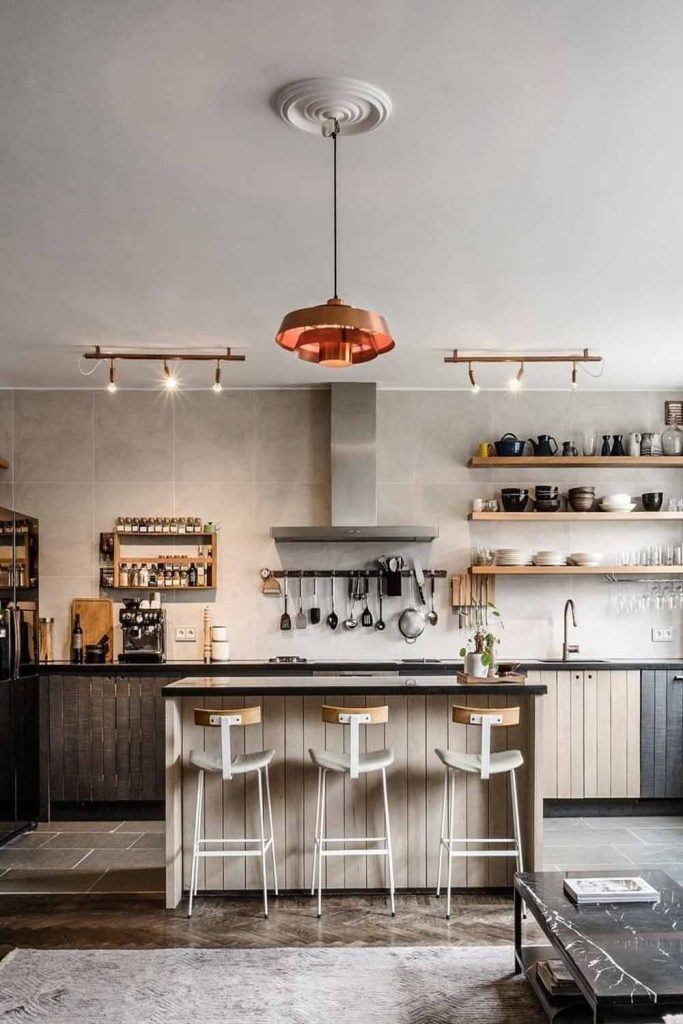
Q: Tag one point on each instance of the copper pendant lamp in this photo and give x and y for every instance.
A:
(334, 334)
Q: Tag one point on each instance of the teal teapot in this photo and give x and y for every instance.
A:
(546, 445)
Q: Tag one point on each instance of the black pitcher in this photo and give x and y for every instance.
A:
(605, 450)
(617, 446)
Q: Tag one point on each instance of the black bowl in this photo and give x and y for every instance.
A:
(652, 501)
(515, 502)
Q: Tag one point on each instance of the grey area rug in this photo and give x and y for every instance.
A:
(445, 985)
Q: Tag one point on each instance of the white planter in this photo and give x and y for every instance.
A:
(474, 665)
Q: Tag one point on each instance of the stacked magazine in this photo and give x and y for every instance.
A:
(609, 890)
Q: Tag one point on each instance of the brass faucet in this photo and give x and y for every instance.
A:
(567, 648)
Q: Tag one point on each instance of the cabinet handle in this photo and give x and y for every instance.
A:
(677, 679)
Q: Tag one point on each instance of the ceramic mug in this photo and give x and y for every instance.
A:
(485, 450)
(633, 443)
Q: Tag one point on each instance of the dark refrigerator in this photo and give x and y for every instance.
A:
(19, 679)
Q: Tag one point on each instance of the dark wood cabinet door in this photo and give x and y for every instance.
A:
(106, 737)
(662, 734)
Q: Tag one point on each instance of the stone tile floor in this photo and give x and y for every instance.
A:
(85, 856)
(624, 843)
(128, 856)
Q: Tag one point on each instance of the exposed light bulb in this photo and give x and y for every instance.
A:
(475, 387)
(170, 380)
(574, 384)
(217, 386)
(111, 386)
(515, 382)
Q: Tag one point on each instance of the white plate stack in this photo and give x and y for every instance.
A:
(550, 558)
(587, 559)
(616, 503)
(513, 556)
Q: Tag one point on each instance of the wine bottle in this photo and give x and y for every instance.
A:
(77, 642)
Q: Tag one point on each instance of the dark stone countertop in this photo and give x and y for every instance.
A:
(294, 686)
(174, 669)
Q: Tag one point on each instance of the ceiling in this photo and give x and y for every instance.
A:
(525, 194)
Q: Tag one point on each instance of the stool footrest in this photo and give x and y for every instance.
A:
(354, 839)
(354, 853)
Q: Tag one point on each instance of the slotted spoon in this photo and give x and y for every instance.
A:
(300, 621)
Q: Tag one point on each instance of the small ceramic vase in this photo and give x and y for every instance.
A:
(617, 446)
(605, 444)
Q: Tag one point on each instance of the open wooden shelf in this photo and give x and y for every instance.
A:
(572, 517)
(174, 536)
(576, 570)
(576, 461)
(164, 590)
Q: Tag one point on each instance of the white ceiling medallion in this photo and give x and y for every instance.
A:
(357, 106)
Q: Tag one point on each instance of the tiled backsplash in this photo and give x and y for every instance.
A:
(249, 459)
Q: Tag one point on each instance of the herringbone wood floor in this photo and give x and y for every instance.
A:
(58, 922)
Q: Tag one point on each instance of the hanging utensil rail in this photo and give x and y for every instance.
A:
(349, 574)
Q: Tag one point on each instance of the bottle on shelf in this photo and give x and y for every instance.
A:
(143, 524)
(182, 525)
(168, 575)
(120, 524)
(152, 577)
(201, 575)
(128, 525)
(183, 576)
(123, 575)
(143, 576)
(174, 525)
(192, 575)
(77, 641)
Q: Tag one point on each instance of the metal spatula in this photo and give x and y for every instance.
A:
(314, 610)
(285, 618)
(300, 621)
(366, 617)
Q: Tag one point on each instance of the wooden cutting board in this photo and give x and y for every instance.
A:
(97, 618)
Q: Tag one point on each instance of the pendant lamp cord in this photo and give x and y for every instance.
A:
(335, 133)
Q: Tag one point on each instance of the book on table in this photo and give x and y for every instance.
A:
(555, 978)
(619, 889)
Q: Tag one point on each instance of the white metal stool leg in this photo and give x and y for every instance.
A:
(194, 873)
(442, 829)
(390, 858)
(321, 843)
(515, 820)
(263, 844)
(451, 815)
(316, 847)
(270, 827)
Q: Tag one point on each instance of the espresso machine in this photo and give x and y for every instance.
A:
(144, 632)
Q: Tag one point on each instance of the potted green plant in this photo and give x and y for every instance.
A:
(479, 650)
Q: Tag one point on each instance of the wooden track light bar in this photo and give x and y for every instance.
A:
(228, 356)
(521, 357)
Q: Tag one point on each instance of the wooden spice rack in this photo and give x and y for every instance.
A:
(178, 558)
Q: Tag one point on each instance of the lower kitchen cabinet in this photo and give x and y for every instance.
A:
(106, 738)
(662, 734)
(591, 733)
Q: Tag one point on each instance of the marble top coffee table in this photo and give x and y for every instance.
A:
(626, 959)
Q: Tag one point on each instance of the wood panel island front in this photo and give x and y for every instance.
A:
(419, 721)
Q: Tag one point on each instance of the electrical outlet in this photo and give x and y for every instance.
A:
(662, 634)
(185, 634)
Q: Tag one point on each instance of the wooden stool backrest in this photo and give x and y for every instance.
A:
(355, 717)
(487, 718)
(225, 719)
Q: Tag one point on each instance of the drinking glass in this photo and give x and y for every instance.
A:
(588, 440)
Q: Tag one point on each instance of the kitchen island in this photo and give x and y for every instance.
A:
(419, 721)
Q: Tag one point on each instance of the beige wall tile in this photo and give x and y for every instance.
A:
(133, 436)
(68, 543)
(214, 437)
(7, 433)
(53, 436)
(130, 499)
(292, 436)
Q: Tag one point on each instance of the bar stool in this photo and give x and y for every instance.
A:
(483, 764)
(229, 766)
(354, 764)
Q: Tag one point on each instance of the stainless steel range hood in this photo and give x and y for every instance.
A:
(353, 423)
